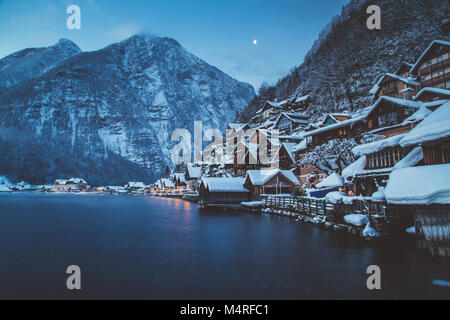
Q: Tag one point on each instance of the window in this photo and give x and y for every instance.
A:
(382, 119)
(392, 117)
(438, 59)
(446, 154)
(440, 73)
(400, 96)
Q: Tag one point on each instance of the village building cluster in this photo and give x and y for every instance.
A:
(382, 152)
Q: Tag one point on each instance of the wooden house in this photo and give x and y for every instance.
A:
(289, 122)
(395, 86)
(222, 192)
(274, 181)
(388, 114)
(432, 95)
(269, 109)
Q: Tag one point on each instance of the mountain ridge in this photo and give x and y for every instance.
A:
(122, 101)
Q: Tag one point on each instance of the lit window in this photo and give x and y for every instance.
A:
(382, 119)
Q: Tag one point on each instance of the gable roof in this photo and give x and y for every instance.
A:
(398, 102)
(224, 184)
(404, 186)
(434, 127)
(260, 177)
(432, 44)
(194, 171)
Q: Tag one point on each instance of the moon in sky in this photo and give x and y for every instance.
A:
(255, 42)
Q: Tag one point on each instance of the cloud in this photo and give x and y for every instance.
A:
(125, 31)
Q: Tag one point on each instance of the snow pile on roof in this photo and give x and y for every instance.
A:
(224, 184)
(436, 126)
(194, 171)
(167, 183)
(370, 232)
(354, 168)
(420, 185)
(418, 116)
(412, 159)
(356, 219)
(379, 195)
(77, 181)
(253, 203)
(260, 177)
(301, 146)
(432, 90)
(376, 146)
(334, 196)
(332, 181)
(137, 184)
(301, 99)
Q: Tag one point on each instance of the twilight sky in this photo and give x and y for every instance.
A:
(219, 31)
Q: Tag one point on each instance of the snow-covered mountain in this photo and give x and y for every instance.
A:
(107, 115)
(33, 62)
(348, 59)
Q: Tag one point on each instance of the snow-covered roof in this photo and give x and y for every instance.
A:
(436, 126)
(289, 147)
(237, 126)
(301, 146)
(376, 146)
(423, 185)
(260, 177)
(77, 181)
(167, 183)
(136, 185)
(301, 99)
(444, 92)
(299, 118)
(60, 181)
(411, 159)
(434, 42)
(376, 87)
(332, 181)
(398, 102)
(355, 167)
(224, 184)
(194, 171)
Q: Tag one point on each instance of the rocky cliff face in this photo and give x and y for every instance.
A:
(108, 115)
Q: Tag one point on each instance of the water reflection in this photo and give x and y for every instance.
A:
(141, 247)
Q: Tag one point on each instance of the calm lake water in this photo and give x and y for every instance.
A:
(152, 248)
